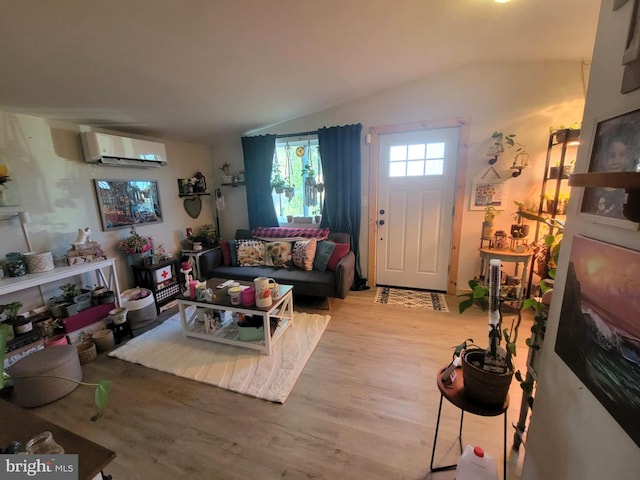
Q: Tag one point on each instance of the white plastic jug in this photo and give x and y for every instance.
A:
(263, 291)
(475, 464)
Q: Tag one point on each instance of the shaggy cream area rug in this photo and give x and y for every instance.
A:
(270, 377)
(412, 298)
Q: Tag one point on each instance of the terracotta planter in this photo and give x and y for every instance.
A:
(55, 340)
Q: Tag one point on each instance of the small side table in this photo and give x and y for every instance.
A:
(506, 256)
(156, 278)
(454, 393)
(194, 261)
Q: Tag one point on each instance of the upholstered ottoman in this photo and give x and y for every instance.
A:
(36, 390)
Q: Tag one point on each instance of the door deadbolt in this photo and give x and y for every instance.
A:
(380, 222)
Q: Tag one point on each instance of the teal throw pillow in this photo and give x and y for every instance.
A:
(323, 253)
(233, 252)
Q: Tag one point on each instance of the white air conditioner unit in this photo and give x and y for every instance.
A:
(118, 151)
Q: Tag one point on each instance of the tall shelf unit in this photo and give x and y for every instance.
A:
(561, 156)
(554, 195)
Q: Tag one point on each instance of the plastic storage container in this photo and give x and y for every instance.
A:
(142, 310)
(475, 464)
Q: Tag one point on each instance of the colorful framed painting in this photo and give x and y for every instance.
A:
(128, 202)
(599, 332)
(616, 148)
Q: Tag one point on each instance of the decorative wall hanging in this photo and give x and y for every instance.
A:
(193, 206)
(616, 148)
(124, 203)
(598, 332)
(488, 193)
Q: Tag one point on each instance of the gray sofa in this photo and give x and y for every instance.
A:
(313, 283)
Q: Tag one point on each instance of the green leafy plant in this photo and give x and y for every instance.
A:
(226, 168)
(490, 213)
(102, 388)
(278, 183)
(503, 141)
(11, 309)
(70, 290)
(308, 171)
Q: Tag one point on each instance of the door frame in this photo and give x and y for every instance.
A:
(458, 203)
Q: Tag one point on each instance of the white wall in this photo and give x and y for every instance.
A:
(56, 187)
(524, 98)
(572, 436)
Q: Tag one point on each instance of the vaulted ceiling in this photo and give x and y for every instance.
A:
(197, 70)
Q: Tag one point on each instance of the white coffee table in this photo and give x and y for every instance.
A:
(281, 310)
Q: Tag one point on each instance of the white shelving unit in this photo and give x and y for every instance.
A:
(105, 271)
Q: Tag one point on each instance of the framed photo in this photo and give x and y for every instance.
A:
(598, 331)
(486, 193)
(124, 203)
(616, 146)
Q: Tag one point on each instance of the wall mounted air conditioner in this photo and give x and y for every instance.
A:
(119, 151)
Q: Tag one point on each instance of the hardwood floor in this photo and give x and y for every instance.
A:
(365, 406)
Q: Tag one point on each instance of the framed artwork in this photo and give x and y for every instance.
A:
(488, 193)
(616, 147)
(598, 330)
(124, 203)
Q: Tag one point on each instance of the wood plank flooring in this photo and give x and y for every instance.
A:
(365, 406)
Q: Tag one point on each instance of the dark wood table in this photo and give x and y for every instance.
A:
(19, 424)
(454, 393)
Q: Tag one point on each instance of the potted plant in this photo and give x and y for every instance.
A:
(519, 229)
(501, 142)
(309, 173)
(226, 170)
(566, 132)
(102, 388)
(490, 213)
(20, 324)
(290, 191)
(278, 184)
(136, 246)
(317, 216)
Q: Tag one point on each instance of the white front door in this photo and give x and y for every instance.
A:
(416, 190)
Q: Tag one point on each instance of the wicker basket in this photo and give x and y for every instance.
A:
(104, 340)
(486, 388)
(86, 352)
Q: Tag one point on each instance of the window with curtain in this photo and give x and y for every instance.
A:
(296, 180)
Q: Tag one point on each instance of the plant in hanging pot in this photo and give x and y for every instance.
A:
(278, 184)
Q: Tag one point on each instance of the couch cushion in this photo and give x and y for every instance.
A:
(226, 252)
(323, 253)
(250, 252)
(233, 252)
(303, 253)
(277, 254)
(338, 253)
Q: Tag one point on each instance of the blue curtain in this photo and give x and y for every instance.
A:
(341, 164)
(258, 160)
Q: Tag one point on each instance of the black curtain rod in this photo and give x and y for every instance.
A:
(300, 134)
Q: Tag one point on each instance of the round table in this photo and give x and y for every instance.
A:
(454, 393)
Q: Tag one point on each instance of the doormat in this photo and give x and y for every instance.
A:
(412, 298)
